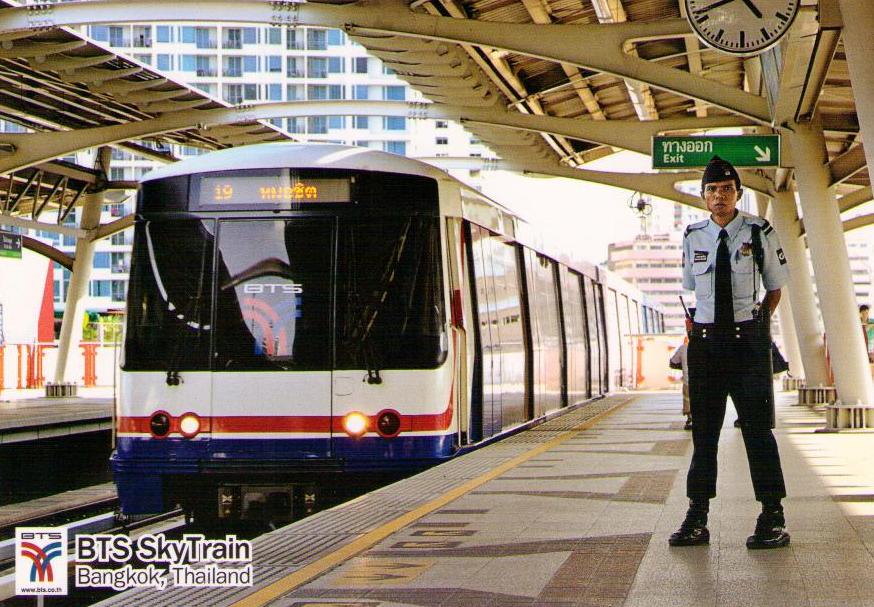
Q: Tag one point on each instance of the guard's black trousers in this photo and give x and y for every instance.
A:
(720, 365)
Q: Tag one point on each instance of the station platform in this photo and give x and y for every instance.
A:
(27, 415)
(577, 511)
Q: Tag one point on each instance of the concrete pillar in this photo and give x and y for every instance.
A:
(805, 315)
(831, 266)
(858, 20)
(790, 337)
(77, 290)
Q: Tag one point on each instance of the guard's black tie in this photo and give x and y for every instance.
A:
(724, 312)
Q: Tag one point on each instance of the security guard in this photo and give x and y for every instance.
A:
(727, 260)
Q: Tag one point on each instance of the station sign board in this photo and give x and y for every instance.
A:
(751, 151)
(10, 245)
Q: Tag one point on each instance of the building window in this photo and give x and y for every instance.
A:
(359, 65)
(164, 33)
(233, 38)
(250, 35)
(394, 93)
(361, 122)
(188, 63)
(317, 125)
(294, 40)
(250, 64)
(294, 67)
(336, 122)
(317, 67)
(335, 91)
(250, 92)
(274, 92)
(116, 36)
(204, 37)
(99, 288)
(147, 59)
(119, 290)
(294, 92)
(233, 93)
(188, 35)
(274, 35)
(317, 40)
(274, 64)
(233, 67)
(441, 124)
(335, 38)
(101, 260)
(394, 123)
(100, 32)
(335, 65)
(317, 92)
(396, 147)
(442, 141)
(360, 91)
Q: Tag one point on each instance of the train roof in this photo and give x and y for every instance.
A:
(302, 155)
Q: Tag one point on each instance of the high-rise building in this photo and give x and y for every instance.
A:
(243, 63)
(653, 263)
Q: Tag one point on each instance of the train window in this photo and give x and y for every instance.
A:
(169, 300)
(545, 330)
(273, 295)
(390, 309)
(591, 311)
(575, 337)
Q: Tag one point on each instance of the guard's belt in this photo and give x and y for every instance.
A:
(705, 330)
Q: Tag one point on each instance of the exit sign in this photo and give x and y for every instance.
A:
(695, 152)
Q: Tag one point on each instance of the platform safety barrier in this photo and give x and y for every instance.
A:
(61, 390)
(819, 395)
(791, 384)
(839, 416)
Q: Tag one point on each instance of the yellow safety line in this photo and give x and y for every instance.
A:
(316, 568)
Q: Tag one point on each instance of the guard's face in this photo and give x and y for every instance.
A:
(721, 198)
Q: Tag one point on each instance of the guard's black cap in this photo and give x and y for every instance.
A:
(719, 170)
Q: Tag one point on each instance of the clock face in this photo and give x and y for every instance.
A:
(742, 27)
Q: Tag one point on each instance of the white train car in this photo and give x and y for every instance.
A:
(303, 316)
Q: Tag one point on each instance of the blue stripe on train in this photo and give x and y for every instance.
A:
(140, 464)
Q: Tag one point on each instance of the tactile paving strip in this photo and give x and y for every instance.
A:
(282, 551)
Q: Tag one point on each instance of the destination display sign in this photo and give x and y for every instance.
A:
(280, 189)
(10, 245)
(695, 152)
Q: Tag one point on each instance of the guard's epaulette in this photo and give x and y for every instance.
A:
(767, 228)
(695, 226)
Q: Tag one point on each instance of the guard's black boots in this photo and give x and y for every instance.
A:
(770, 532)
(693, 531)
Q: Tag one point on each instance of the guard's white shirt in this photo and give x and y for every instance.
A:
(747, 285)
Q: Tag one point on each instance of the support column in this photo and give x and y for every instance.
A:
(805, 315)
(831, 266)
(71, 326)
(790, 337)
(858, 19)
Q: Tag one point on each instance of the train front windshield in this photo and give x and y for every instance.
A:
(331, 290)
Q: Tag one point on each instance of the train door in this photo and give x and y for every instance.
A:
(272, 363)
(591, 311)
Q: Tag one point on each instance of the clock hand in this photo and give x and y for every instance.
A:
(753, 8)
(714, 5)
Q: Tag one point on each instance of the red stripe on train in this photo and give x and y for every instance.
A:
(230, 424)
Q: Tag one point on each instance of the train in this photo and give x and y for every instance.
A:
(306, 316)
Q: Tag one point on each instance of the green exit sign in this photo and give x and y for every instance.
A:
(696, 152)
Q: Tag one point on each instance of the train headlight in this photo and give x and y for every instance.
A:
(388, 423)
(189, 425)
(159, 424)
(355, 424)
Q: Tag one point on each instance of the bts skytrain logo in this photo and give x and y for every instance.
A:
(41, 560)
(269, 287)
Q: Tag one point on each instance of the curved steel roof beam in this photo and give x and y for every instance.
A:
(61, 63)
(124, 87)
(630, 135)
(29, 50)
(595, 47)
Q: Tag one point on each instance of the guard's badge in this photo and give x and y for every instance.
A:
(700, 256)
(746, 249)
(781, 257)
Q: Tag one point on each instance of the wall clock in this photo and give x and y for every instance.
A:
(741, 27)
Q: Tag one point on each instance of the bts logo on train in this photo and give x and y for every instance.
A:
(284, 288)
(41, 560)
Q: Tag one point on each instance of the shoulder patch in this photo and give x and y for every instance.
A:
(781, 257)
(695, 226)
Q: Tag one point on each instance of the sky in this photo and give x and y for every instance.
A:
(583, 216)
